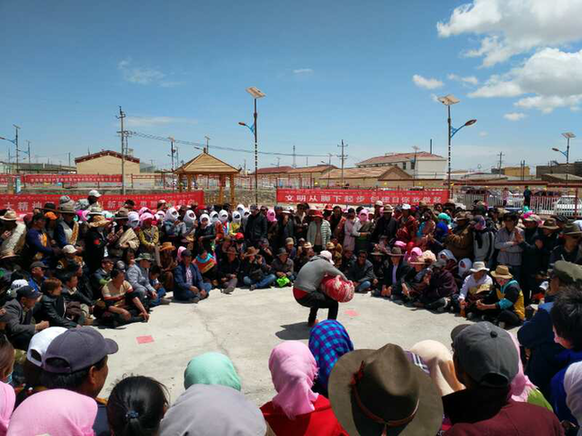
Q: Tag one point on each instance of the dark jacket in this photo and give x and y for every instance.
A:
(33, 242)
(181, 286)
(560, 253)
(487, 411)
(385, 227)
(20, 321)
(402, 271)
(284, 231)
(360, 274)
(442, 284)
(95, 243)
(531, 258)
(538, 336)
(99, 279)
(205, 236)
(255, 270)
(256, 228)
(53, 310)
(278, 266)
(558, 391)
(226, 268)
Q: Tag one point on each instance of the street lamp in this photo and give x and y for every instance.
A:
(448, 101)
(256, 94)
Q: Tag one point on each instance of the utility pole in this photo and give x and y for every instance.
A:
(329, 169)
(123, 149)
(343, 159)
(430, 145)
(28, 152)
(294, 164)
(207, 144)
(500, 162)
(306, 161)
(17, 149)
(278, 162)
(69, 159)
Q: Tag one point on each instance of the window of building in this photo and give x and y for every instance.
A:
(403, 165)
(412, 164)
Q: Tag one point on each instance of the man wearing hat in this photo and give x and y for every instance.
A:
(381, 392)
(531, 257)
(282, 266)
(93, 198)
(336, 223)
(486, 362)
(537, 334)
(12, 233)
(254, 271)
(188, 284)
(37, 240)
(460, 241)
(20, 326)
(96, 239)
(440, 287)
(395, 273)
(548, 240)
(318, 232)
(67, 229)
(507, 242)
(504, 304)
(37, 275)
(475, 287)
(228, 270)
(361, 273)
(386, 225)
(256, 227)
(568, 251)
(125, 237)
(76, 360)
(138, 277)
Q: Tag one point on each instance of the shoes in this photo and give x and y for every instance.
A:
(312, 324)
(227, 291)
(471, 315)
(195, 300)
(165, 301)
(252, 287)
(501, 325)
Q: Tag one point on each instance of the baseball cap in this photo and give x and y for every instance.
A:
(567, 272)
(27, 292)
(379, 203)
(486, 353)
(94, 193)
(38, 264)
(69, 249)
(80, 348)
(40, 342)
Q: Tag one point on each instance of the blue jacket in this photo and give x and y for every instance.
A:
(558, 396)
(537, 335)
(180, 284)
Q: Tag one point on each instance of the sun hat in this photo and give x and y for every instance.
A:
(425, 258)
(571, 229)
(396, 252)
(372, 391)
(9, 215)
(67, 208)
(69, 249)
(282, 251)
(167, 246)
(486, 353)
(379, 203)
(7, 254)
(251, 251)
(502, 272)
(94, 193)
(387, 209)
(144, 256)
(307, 245)
(478, 266)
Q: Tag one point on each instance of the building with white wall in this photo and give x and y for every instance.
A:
(420, 165)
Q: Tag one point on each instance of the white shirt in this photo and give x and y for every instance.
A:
(470, 283)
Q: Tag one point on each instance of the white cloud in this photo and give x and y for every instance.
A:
(144, 75)
(551, 76)
(434, 98)
(303, 71)
(483, 134)
(469, 80)
(510, 27)
(514, 116)
(423, 82)
(138, 121)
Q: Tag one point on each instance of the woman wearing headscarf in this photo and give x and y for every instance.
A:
(328, 341)
(362, 231)
(174, 228)
(205, 234)
(213, 410)
(297, 410)
(439, 360)
(349, 242)
(211, 369)
(149, 235)
(54, 412)
(236, 224)
(7, 400)
(573, 388)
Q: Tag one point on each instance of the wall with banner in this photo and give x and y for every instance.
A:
(35, 179)
(360, 196)
(26, 203)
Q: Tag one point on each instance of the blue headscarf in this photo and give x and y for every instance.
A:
(328, 341)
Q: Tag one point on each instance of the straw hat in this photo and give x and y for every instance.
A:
(10, 215)
(167, 246)
(502, 272)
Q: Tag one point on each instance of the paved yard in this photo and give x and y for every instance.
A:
(247, 325)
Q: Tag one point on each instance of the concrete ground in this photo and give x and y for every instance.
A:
(247, 325)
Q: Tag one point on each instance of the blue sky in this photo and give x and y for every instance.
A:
(331, 70)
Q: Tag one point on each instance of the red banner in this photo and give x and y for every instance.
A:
(25, 203)
(33, 179)
(360, 196)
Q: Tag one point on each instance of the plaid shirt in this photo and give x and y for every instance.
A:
(328, 341)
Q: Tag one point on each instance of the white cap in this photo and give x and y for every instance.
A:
(327, 255)
(69, 249)
(94, 193)
(40, 343)
(406, 206)
(16, 284)
(379, 203)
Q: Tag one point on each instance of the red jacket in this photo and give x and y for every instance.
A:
(320, 422)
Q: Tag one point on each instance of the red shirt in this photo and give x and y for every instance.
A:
(320, 422)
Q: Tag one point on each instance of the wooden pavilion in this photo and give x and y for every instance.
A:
(207, 165)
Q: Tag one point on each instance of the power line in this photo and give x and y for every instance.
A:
(200, 146)
(343, 158)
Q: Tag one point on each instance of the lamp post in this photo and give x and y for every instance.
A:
(568, 136)
(256, 94)
(448, 101)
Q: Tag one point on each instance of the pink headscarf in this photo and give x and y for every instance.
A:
(146, 216)
(521, 385)
(293, 370)
(400, 244)
(143, 210)
(271, 216)
(363, 216)
(179, 255)
(413, 254)
(7, 400)
(54, 412)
